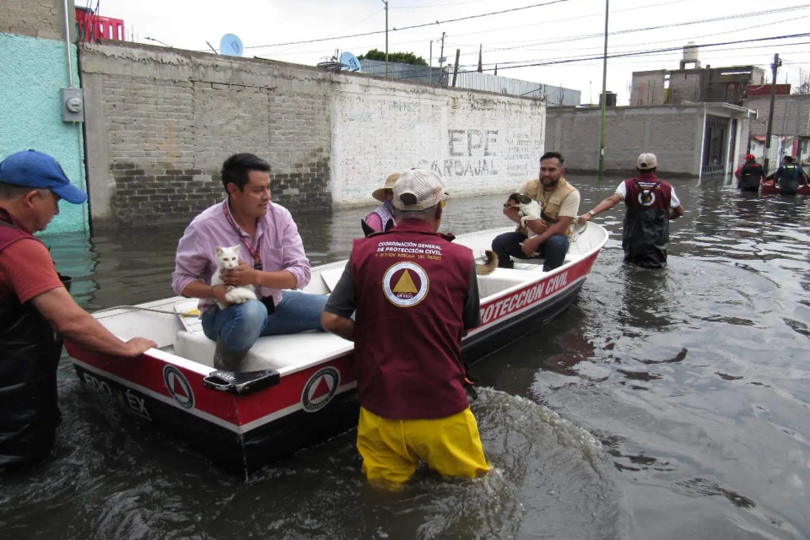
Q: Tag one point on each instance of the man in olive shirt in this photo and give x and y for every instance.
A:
(560, 202)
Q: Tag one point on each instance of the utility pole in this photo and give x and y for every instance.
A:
(386, 36)
(430, 64)
(455, 70)
(604, 97)
(442, 60)
(774, 68)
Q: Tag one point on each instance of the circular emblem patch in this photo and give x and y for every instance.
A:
(320, 389)
(405, 284)
(646, 197)
(178, 386)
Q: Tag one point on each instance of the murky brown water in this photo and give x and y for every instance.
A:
(666, 405)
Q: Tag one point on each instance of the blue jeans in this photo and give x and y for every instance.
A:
(240, 326)
(552, 250)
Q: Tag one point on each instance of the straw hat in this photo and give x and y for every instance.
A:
(379, 194)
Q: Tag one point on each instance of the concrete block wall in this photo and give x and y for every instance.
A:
(674, 134)
(160, 122)
(791, 115)
(648, 88)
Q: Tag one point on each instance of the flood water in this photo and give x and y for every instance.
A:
(661, 405)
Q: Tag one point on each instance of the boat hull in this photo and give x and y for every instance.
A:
(307, 407)
(773, 189)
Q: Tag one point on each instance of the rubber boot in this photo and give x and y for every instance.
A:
(227, 359)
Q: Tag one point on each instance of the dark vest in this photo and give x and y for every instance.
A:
(788, 176)
(29, 356)
(411, 285)
(750, 176)
(646, 226)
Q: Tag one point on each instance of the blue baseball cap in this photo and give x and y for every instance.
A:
(39, 171)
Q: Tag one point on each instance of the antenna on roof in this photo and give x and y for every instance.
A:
(350, 61)
(231, 45)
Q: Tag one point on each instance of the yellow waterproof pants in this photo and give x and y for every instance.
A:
(391, 449)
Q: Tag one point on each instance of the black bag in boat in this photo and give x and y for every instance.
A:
(241, 383)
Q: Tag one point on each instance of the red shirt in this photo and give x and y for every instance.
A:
(26, 269)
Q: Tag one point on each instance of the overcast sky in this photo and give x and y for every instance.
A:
(563, 30)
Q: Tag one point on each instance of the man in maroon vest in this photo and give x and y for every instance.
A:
(34, 301)
(651, 204)
(414, 295)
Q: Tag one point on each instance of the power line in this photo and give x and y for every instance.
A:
(659, 27)
(627, 31)
(440, 5)
(503, 65)
(552, 2)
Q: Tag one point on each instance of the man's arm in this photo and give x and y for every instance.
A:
(471, 315)
(74, 323)
(31, 275)
(297, 271)
(675, 208)
(606, 204)
(513, 213)
(336, 316)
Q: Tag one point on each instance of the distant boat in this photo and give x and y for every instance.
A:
(300, 389)
(771, 188)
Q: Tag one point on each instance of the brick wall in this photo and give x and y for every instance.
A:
(36, 18)
(672, 133)
(160, 122)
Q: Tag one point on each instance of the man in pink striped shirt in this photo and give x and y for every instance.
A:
(272, 258)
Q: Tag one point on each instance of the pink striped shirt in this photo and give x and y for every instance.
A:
(281, 249)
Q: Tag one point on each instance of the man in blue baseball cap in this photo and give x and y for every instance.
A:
(35, 302)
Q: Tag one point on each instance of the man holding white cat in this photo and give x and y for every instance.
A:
(266, 236)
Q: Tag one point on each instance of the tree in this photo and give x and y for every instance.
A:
(399, 57)
(804, 87)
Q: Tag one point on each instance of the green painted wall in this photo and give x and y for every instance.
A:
(32, 72)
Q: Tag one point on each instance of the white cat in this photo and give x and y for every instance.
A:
(228, 259)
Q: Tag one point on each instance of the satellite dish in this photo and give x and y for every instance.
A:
(350, 60)
(231, 45)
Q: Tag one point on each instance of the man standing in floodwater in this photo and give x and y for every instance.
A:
(789, 176)
(651, 204)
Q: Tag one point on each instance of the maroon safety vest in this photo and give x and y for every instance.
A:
(661, 192)
(411, 285)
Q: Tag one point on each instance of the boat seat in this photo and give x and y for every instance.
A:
(500, 280)
(272, 352)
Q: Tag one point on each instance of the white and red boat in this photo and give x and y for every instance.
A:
(299, 389)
